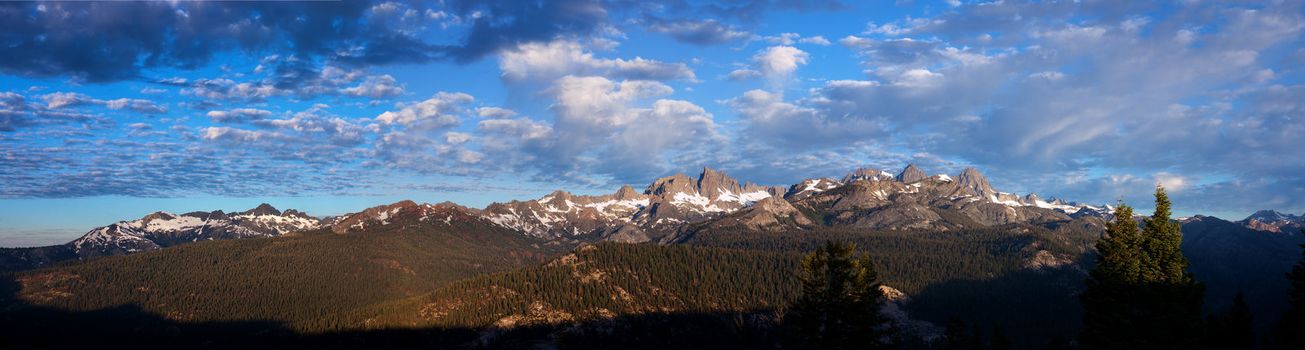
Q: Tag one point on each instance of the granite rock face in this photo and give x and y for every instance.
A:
(911, 174)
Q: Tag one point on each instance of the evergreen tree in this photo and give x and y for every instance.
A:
(1290, 333)
(1140, 294)
(1171, 294)
(1108, 319)
(1232, 329)
(840, 301)
(1162, 239)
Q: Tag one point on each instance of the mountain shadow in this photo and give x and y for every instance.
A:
(27, 326)
(1037, 306)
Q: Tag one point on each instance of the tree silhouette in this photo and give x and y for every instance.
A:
(1290, 333)
(1232, 329)
(1140, 294)
(840, 301)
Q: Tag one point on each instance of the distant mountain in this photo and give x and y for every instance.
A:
(162, 229)
(661, 209)
(665, 210)
(872, 200)
(1231, 258)
(1274, 221)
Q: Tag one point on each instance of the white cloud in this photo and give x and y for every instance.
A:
(1172, 182)
(223, 133)
(239, 115)
(795, 38)
(495, 112)
(456, 138)
(601, 129)
(377, 87)
(743, 74)
(551, 60)
(780, 61)
(438, 111)
(60, 100)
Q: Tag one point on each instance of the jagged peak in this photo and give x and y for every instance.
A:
(672, 184)
(869, 174)
(296, 213)
(972, 181)
(712, 183)
(911, 174)
(556, 196)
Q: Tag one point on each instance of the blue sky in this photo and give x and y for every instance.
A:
(111, 110)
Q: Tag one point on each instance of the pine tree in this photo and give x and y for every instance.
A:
(1162, 240)
(1140, 294)
(1108, 319)
(1290, 332)
(1172, 295)
(840, 301)
(1232, 329)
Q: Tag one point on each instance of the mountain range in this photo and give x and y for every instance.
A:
(717, 250)
(666, 210)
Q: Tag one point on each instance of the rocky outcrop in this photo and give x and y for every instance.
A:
(971, 182)
(868, 174)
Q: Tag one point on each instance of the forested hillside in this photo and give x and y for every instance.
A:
(451, 284)
(293, 280)
(1022, 278)
(601, 281)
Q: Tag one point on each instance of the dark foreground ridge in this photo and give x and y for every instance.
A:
(26, 326)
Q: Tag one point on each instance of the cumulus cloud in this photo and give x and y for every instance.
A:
(775, 63)
(548, 61)
(376, 87)
(417, 137)
(780, 61)
(602, 130)
(438, 111)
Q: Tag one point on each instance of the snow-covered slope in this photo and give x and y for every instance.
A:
(1274, 221)
(664, 205)
(163, 229)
